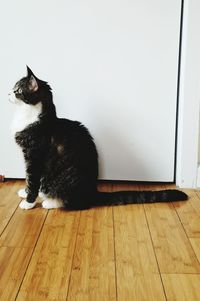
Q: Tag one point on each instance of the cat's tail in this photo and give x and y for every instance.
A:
(139, 197)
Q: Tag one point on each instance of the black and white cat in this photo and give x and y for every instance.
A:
(61, 157)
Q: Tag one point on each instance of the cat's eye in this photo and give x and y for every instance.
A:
(20, 90)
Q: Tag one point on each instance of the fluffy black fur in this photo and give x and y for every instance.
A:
(61, 158)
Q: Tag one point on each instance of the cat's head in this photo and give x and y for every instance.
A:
(29, 89)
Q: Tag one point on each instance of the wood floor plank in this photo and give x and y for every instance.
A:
(13, 265)
(58, 255)
(189, 213)
(172, 246)
(93, 270)
(185, 287)
(197, 191)
(195, 242)
(24, 228)
(16, 247)
(8, 201)
(47, 276)
(137, 271)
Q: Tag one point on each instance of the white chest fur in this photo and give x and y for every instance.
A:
(25, 115)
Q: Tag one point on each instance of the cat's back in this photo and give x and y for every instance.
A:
(71, 132)
(65, 127)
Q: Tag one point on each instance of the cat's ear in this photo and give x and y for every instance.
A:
(29, 72)
(33, 84)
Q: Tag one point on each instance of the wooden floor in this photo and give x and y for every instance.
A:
(133, 252)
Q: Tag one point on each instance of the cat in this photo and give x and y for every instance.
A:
(60, 155)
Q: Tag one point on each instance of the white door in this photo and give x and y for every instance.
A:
(112, 65)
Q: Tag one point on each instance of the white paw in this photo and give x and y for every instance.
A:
(41, 195)
(52, 204)
(25, 205)
(22, 193)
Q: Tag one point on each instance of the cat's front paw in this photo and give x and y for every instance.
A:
(41, 195)
(25, 205)
(22, 193)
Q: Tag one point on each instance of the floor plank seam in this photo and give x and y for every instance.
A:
(160, 274)
(175, 273)
(32, 254)
(73, 255)
(10, 219)
(115, 259)
(199, 201)
(196, 192)
(185, 232)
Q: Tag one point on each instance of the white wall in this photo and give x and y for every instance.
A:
(189, 98)
(112, 65)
